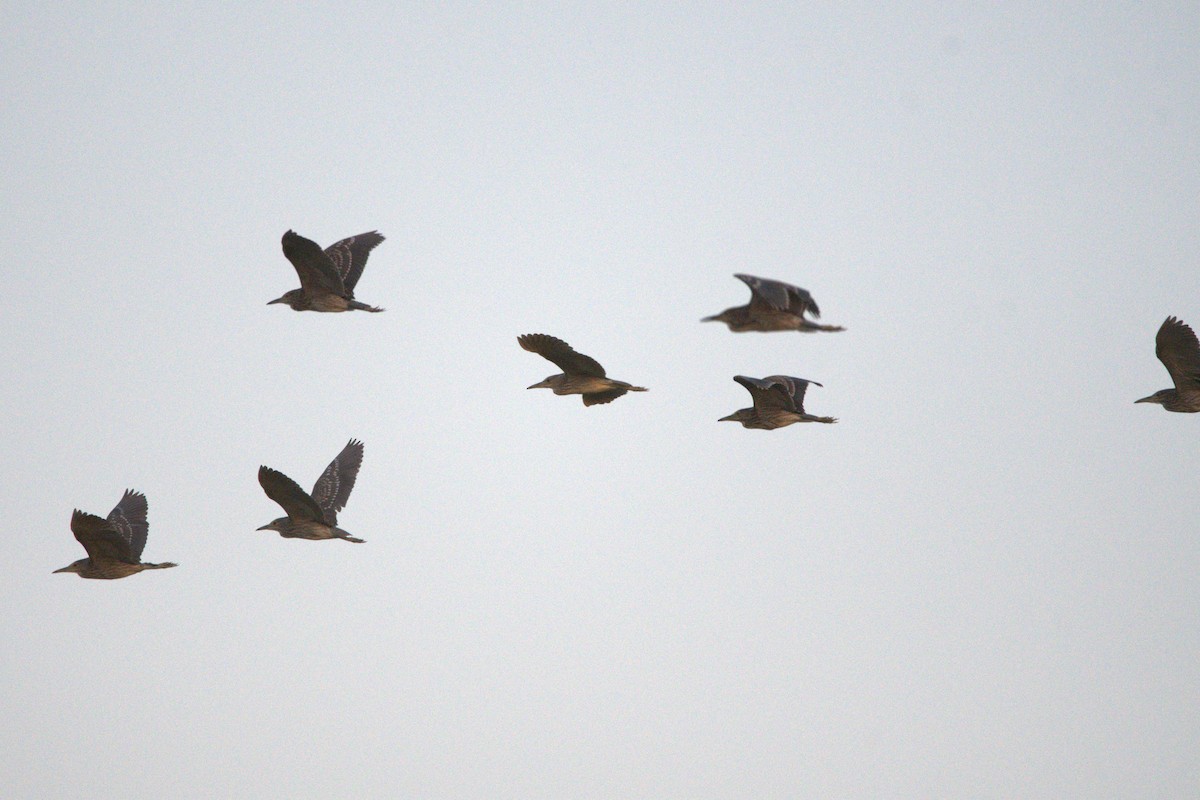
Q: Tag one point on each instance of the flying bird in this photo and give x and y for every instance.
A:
(327, 277)
(580, 374)
(314, 516)
(778, 401)
(1179, 351)
(114, 545)
(774, 306)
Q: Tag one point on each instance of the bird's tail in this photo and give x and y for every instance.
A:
(354, 305)
(827, 420)
(830, 328)
(341, 534)
(164, 565)
(637, 389)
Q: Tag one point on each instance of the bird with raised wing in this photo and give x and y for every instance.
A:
(1179, 351)
(114, 545)
(778, 401)
(773, 306)
(314, 516)
(327, 277)
(581, 374)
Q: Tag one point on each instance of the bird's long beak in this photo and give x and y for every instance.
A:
(276, 300)
(1149, 399)
(730, 418)
(542, 385)
(64, 569)
(266, 527)
(711, 319)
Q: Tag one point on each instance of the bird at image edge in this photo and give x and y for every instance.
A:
(1179, 351)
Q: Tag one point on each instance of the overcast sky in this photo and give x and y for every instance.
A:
(980, 583)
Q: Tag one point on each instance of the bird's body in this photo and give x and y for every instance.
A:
(773, 306)
(314, 516)
(580, 375)
(313, 530)
(327, 277)
(114, 545)
(778, 402)
(1178, 349)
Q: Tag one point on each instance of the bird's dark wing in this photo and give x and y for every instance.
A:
(562, 354)
(285, 491)
(336, 482)
(596, 398)
(100, 538)
(317, 273)
(766, 392)
(794, 388)
(349, 256)
(129, 518)
(779, 296)
(1179, 351)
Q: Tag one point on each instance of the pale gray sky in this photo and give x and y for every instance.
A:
(981, 583)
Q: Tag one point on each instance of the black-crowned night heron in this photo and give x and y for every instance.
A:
(1179, 351)
(774, 306)
(327, 277)
(314, 516)
(581, 374)
(114, 545)
(778, 401)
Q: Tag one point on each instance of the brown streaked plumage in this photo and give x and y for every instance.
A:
(327, 277)
(778, 402)
(1179, 351)
(773, 306)
(114, 545)
(314, 516)
(581, 374)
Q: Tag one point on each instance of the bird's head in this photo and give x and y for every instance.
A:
(1159, 397)
(274, 525)
(548, 383)
(75, 567)
(291, 298)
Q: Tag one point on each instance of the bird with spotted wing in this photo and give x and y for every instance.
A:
(778, 402)
(327, 277)
(314, 516)
(114, 545)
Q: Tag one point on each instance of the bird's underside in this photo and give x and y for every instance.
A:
(316, 531)
(770, 321)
